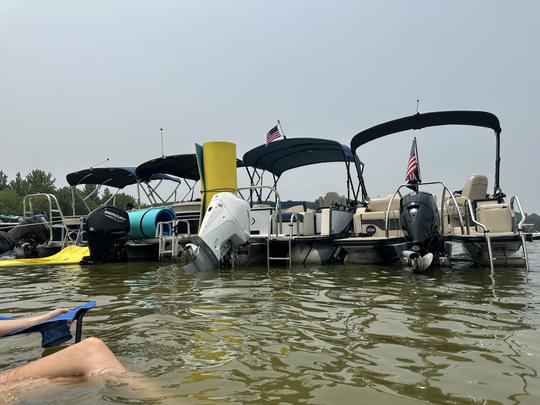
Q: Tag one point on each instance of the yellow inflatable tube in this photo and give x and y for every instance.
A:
(68, 255)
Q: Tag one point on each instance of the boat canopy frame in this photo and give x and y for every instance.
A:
(433, 119)
(118, 178)
(286, 154)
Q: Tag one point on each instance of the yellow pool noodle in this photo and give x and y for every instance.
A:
(219, 161)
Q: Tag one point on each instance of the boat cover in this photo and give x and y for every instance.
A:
(279, 156)
(430, 119)
(55, 331)
(183, 166)
(118, 177)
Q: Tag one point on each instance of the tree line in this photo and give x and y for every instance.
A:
(38, 181)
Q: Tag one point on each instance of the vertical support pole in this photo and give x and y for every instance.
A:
(73, 199)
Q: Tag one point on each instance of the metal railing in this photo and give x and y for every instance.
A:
(172, 237)
(54, 214)
(289, 241)
(486, 232)
(445, 189)
(520, 228)
(279, 220)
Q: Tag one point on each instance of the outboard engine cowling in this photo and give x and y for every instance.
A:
(225, 227)
(106, 231)
(420, 223)
(31, 231)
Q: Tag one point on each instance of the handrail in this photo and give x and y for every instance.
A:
(278, 201)
(520, 228)
(27, 199)
(184, 221)
(522, 221)
(445, 188)
(294, 215)
(486, 231)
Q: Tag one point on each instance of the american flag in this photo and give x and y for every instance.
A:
(273, 134)
(413, 173)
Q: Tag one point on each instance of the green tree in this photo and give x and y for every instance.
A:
(122, 200)
(19, 185)
(3, 180)
(40, 182)
(10, 202)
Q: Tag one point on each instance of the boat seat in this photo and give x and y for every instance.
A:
(476, 187)
(371, 219)
(331, 198)
(497, 217)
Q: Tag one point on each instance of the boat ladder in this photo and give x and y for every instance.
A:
(287, 258)
(169, 239)
(55, 218)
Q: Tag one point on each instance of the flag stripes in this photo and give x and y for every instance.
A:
(412, 175)
(273, 134)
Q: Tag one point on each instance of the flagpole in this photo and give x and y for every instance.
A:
(417, 161)
(161, 130)
(281, 129)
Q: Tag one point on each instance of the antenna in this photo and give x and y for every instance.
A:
(161, 130)
(97, 164)
(417, 102)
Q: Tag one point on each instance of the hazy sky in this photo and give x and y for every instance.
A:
(84, 80)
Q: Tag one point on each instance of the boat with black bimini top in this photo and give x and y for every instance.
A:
(264, 229)
(411, 228)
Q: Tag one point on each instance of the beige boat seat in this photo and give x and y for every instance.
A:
(497, 217)
(370, 220)
(476, 187)
(331, 198)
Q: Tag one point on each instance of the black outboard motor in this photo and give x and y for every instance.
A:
(28, 233)
(106, 231)
(419, 218)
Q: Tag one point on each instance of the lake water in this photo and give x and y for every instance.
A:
(328, 335)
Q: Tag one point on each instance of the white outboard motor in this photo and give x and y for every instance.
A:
(225, 227)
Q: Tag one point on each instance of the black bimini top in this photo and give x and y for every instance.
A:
(430, 119)
(279, 156)
(183, 166)
(118, 177)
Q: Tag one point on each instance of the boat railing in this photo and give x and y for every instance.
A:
(168, 241)
(425, 183)
(288, 258)
(278, 217)
(55, 218)
(484, 228)
(515, 199)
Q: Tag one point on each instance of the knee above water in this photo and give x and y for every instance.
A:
(93, 343)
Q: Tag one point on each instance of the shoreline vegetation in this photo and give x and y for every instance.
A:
(38, 181)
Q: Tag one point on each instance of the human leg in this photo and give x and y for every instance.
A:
(89, 357)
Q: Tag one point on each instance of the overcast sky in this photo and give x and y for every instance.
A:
(81, 81)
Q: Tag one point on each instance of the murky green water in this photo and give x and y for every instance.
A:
(330, 335)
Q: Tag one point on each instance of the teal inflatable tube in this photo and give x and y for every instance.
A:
(143, 223)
